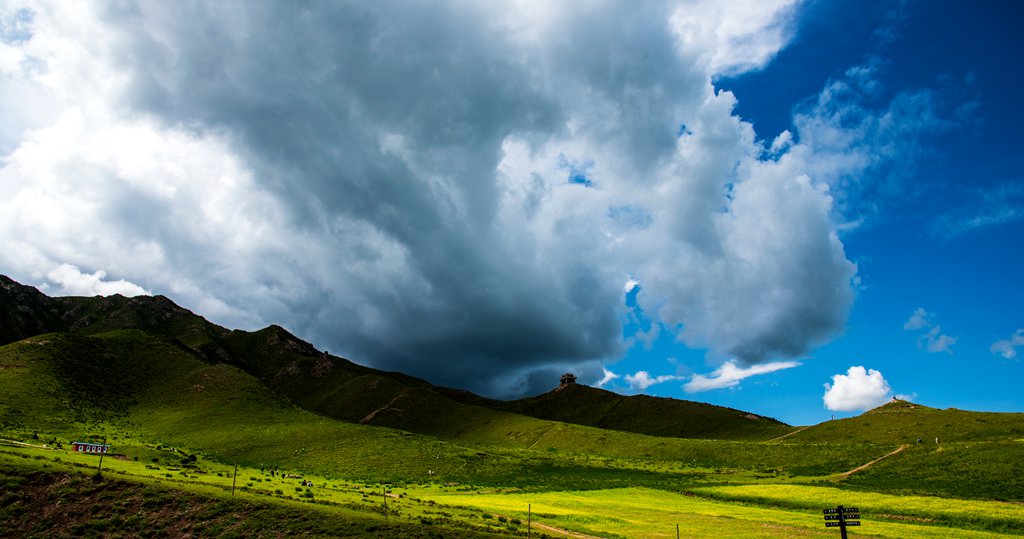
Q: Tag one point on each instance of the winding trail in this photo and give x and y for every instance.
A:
(801, 429)
(560, 531)
(537, 441)
(22, 444)
(844, 475)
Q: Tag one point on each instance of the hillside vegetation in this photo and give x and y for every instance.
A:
(181, 401)
(906, 422)
(338, 388)
(656, 416)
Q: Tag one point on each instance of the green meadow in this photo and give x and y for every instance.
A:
(181, 412)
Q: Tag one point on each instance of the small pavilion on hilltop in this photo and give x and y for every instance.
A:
(566, 380)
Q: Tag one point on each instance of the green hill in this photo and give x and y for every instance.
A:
(172, 379)
(145, 391)
(338, 388)
(26, 312)
(656, 416)
(190, 409)
(905, 422)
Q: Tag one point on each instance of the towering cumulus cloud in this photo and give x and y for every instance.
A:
(455, 189)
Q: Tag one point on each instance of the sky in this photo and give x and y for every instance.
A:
(797, 208)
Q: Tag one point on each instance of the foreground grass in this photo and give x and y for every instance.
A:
(990, 515)
(42, 497)
(199, 498)
(638, 512)
(178, 422)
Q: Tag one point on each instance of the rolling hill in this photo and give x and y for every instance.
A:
(164, 385)
(900, 422)
(339, 388)
(656, 416)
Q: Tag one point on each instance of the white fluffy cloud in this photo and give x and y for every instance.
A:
(1008, 347)
(931, 340)
(641, 380)
(730, 375)
(737, 36)
(451, 190)
(607, 376)
(858, 389)
(75, 283)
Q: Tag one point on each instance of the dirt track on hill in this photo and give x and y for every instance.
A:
(844, 475)
(560, 531)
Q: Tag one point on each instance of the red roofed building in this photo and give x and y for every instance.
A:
(89, 447)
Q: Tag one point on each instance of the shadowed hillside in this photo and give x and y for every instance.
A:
(656, 416)
(267, 396)
(341, 389)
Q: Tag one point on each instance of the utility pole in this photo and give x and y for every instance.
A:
(234, 478)
(103, 450)
(529, 520)
(385, 503)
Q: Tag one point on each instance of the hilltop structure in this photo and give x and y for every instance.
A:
(567, 379)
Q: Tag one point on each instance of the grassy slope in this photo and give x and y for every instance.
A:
(131, 381)
(656, 416)
(49, 503)
(990, 515)
(338, 388)
(187, 395)
(146, 393)
(904, 422)
(639, 512)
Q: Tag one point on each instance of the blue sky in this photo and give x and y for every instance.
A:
(947, 239)
(733, 202)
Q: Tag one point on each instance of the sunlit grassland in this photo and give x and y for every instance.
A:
(902, 422)
(992, 515)
(730, 512)
(201, 502)
(158, 404)
(987, 470)
(171, 398)
(639, 512)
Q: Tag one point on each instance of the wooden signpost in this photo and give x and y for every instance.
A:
(841, 517)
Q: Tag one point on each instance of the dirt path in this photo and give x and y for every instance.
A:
(844, 475)
(22, 444)
(537, 441)
(369, 417)
(801, 429)
(560, 531)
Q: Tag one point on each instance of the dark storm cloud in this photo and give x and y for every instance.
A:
(389, 180)
(394, 116)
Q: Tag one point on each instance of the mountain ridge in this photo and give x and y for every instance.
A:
(340, 388)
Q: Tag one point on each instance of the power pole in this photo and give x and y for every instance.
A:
(529, 520)
(385, 503)
(234, 478)
(103, 450)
